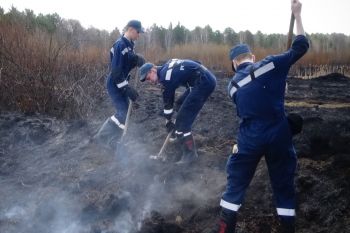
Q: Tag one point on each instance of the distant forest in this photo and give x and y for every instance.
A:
(47, 61)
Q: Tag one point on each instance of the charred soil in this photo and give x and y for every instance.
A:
(55, 178)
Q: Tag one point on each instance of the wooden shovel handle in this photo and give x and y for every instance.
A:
(160, 154)
(290, 33)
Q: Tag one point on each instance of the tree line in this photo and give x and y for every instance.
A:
(47, 61)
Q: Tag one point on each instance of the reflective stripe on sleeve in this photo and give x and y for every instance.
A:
(168, 111)
(122, 84)
(187, 134)
(125, 51)
(204, 68)
(286, 212)
(229, 206)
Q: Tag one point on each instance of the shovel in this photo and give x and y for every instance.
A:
(290, 33)
(161, 154)
(121, 148)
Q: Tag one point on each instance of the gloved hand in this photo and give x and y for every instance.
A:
(131, 93)
(137, 60)
(170, 126)
(235, 149)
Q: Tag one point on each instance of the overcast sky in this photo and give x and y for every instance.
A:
(268, 16)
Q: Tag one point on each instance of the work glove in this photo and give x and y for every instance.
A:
(170, 126)
(131, 93)
(235, 149)
(137, 60)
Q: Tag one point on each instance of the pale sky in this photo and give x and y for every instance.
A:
(268, 16)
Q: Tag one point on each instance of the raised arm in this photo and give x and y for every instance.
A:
(296, 9)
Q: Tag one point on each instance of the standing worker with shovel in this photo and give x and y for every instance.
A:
(200, 83)
(123, 59)
(258, 90)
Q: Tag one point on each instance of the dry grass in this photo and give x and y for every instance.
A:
(330, 105)
(61, 75)
(41, 72)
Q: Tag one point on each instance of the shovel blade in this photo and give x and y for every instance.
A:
(157, 157)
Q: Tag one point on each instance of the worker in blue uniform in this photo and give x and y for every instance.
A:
(122, 60)
(258, 90)
(199, 83)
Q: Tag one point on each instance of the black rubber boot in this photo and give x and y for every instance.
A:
(173, 138)
(227, 222)
(287, 224)
(189, 152)
(109, 134)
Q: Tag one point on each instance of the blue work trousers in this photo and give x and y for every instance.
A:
(119, 99)
(194, 101)
(274, 141)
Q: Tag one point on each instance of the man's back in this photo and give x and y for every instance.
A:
(261, 86)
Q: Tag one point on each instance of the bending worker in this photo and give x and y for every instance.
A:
(200, 83)
(258, 91)
(123, 59)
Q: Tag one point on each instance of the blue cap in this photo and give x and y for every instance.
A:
(136, 24)
(144, 69)
(238, 50)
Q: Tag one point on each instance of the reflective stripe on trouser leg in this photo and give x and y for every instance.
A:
(182, 134)
(281, 161)
(179, 134)
(120, 101)
(116, 121)
(285, 212)
(240, 169)
(229, 206)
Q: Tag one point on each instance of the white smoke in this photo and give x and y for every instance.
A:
(124, 223)
(56, 213)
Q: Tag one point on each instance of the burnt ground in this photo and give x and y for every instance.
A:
(55, 178)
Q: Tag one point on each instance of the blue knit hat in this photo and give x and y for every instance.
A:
(238, 50)
(144, 69)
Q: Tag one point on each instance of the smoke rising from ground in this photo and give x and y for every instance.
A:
(54, 179)
(41, 211)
